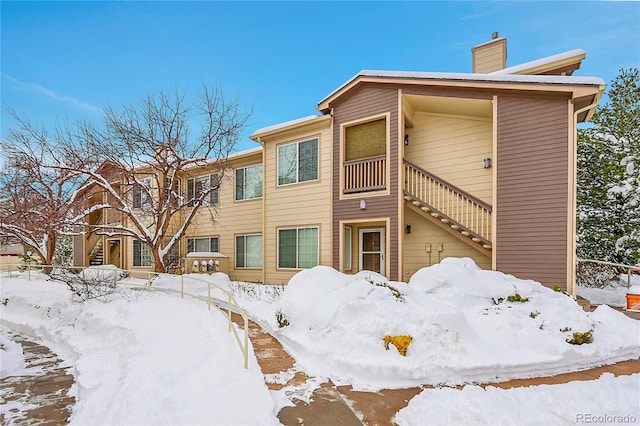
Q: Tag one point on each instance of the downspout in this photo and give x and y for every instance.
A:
(264, 212)
(574, 257)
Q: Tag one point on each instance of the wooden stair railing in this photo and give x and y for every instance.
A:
(467, 215)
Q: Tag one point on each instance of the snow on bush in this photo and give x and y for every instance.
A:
(464, 329)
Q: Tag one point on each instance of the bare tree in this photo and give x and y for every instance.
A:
(36, 198)
(144, 160)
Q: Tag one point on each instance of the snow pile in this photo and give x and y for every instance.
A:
(463, 325)
(143, 357)
(11, 357)
(607, 400)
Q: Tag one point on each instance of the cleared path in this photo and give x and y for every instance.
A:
(41, 396)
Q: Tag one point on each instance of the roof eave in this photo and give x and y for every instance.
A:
(285, 127)
(548, 85)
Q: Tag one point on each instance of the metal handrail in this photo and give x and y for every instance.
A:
(629, 268)
(231, 300)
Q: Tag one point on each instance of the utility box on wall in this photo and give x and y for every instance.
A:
(206, 263)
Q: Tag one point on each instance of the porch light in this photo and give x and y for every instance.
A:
(406, 139)
(363, 204)
(487, 163)
(407, 229)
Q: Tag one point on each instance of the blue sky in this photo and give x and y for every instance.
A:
(65, 61)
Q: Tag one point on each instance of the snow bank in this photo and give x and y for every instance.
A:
(143, 357)
(463, 325)
(11, 357)
(608, 400)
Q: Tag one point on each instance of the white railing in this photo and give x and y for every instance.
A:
(232, 304)
(629, 268)
(364, 175)
(448, 200)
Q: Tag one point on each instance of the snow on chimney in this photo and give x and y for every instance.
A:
(490, 56)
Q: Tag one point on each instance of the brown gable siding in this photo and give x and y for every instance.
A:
(367, 101)
(532, 157)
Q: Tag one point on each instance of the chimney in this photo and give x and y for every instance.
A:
(490, 56)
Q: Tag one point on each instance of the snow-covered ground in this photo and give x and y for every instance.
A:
(152, 357)
(613, 295)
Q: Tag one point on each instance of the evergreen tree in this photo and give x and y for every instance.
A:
(609, 176)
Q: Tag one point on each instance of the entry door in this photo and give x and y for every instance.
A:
(372, 250)
(114, 252)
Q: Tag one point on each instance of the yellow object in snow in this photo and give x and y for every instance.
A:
(400, 342)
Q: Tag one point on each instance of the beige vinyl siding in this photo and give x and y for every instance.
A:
(532, 188)
(230, 218)
(297, 205)
(424, 233)
(453, 148)
(490, 57)
(368, 101)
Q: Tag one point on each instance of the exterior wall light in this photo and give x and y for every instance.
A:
(407, 229)
(363, 204)
(406, 139)
(487, 163)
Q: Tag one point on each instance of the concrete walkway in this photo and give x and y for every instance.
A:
(41, 395)
(329, 404)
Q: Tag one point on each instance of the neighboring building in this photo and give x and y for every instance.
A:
(403, 169)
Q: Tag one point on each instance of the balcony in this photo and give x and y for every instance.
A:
(365, 175)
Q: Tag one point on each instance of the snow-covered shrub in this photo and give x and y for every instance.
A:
(91, 283)
(595, 275)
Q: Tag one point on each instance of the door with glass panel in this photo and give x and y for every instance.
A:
(372, 250)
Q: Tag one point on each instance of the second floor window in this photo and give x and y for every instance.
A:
(298, 162)
(249, 182)
(140, 194)
(197, 186)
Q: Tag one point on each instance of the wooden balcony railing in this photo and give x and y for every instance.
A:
(448, 200)
(364, 175)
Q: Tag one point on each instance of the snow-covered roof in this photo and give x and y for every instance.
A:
(577, 54)
(492, 78)
(284, 125)
(245, 152)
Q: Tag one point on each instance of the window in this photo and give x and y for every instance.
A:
(249, 182)
(298, 248)
(208, 244)
(249, 251)
(172, 260)
(197, 186)
(140, 195)
(141, 254)
(298, 162)
(366, 140)
(172, 187)
(347, 248)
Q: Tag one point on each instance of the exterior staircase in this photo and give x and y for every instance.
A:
(452, 209)
(96, 255)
